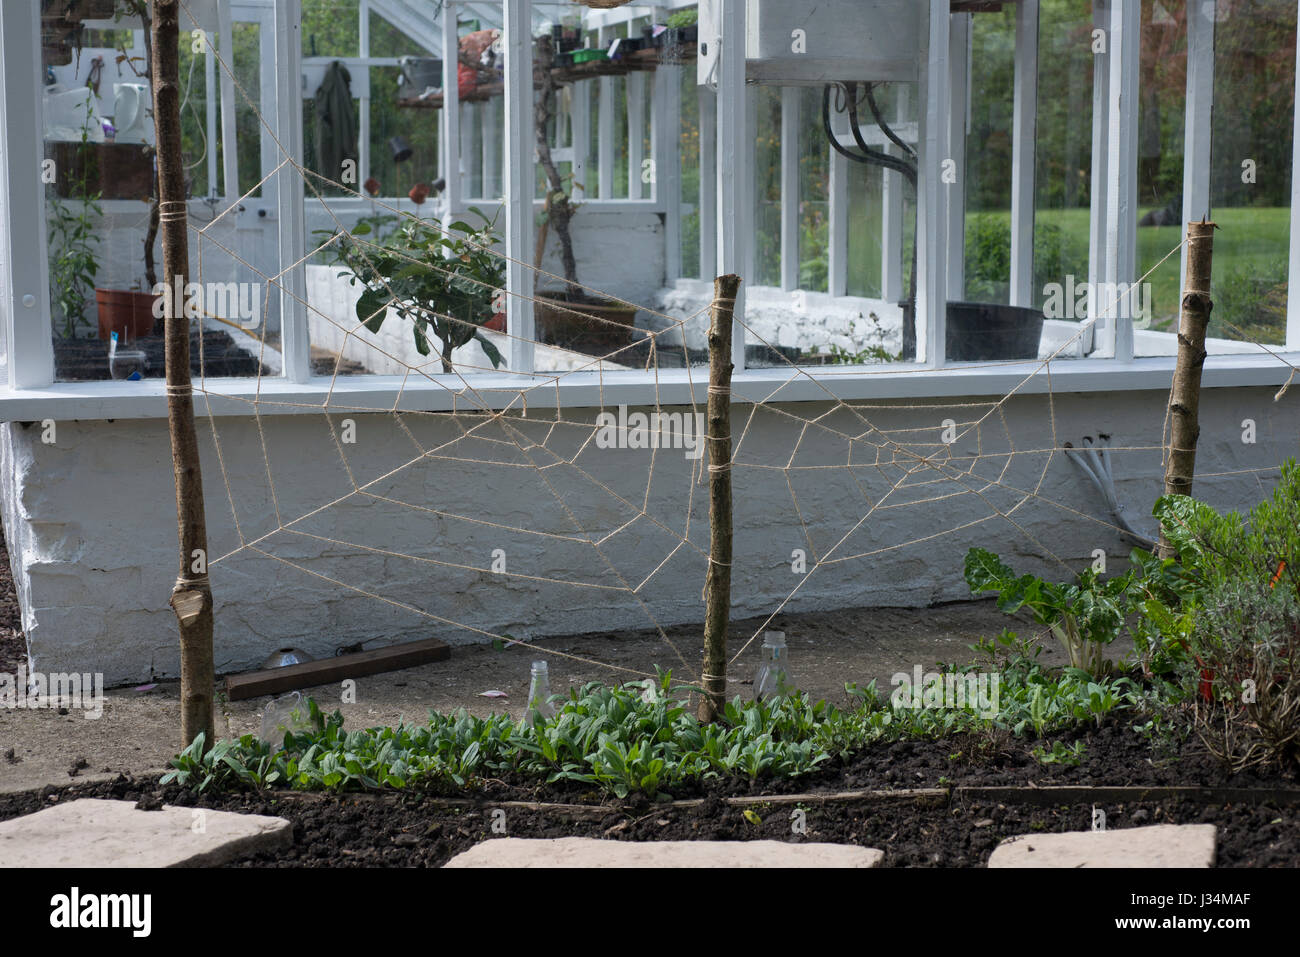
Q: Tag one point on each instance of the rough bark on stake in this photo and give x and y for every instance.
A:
(191, 596)
(717, 582)
(1185, 394)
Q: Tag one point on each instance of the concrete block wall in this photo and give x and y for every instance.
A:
(91, 529)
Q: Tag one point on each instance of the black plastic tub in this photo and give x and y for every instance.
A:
(984, 331)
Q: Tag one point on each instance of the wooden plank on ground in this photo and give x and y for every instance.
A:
(252, 684)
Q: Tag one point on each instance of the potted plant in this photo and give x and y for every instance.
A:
(568, 316)
(682, 28)
(444, 281)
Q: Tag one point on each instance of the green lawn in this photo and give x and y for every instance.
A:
(1249, 277)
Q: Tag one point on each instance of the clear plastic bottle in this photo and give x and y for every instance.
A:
(773, 677)
(539, 694)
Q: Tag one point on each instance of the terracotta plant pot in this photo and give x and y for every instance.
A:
(603, 326)
(129, 314)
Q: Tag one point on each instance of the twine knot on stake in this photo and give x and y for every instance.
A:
(173, 211)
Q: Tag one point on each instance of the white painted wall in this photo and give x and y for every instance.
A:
(92, 533)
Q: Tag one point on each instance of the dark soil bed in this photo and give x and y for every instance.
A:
(413, 830)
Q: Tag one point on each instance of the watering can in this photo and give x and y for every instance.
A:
(131, 112)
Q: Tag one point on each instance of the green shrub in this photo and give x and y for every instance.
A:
(988, 256)
(1240, 622)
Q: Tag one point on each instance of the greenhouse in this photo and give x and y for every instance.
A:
(469, 336)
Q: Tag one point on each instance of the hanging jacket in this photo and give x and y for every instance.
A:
(336, 124)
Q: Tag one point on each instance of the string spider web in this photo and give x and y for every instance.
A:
(626, 525)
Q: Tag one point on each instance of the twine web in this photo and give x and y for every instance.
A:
(916, 471)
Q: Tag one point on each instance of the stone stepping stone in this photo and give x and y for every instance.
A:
(1161, 845)
(592, 852)
(93, 832)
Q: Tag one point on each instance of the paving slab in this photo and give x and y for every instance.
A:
(592, 852)
(1161, 845)
(93, 832)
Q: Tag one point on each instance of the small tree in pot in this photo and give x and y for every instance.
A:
(445, 282)
(568, 317)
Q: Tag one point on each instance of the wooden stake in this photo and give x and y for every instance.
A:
(1185, 394)
(191, 596)
(717, 583)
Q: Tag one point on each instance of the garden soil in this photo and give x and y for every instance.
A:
(46, 756)
(368, 830)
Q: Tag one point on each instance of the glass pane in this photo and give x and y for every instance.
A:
(988, 159)
(247, 62)
(331, 28)
(1161, 115)
(1063, 164)
(104, 245)
(415, 129)
(814, 192)
(882, 210)
(595, 88)
(865, 225)
(1250, 179)
(332, 91)
(647, 137)
(688, 152)
(387, 40)
(619, 85)
(767, 185)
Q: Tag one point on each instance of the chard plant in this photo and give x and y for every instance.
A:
(1085, 615)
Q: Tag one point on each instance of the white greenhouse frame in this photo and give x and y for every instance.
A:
(28, 390)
